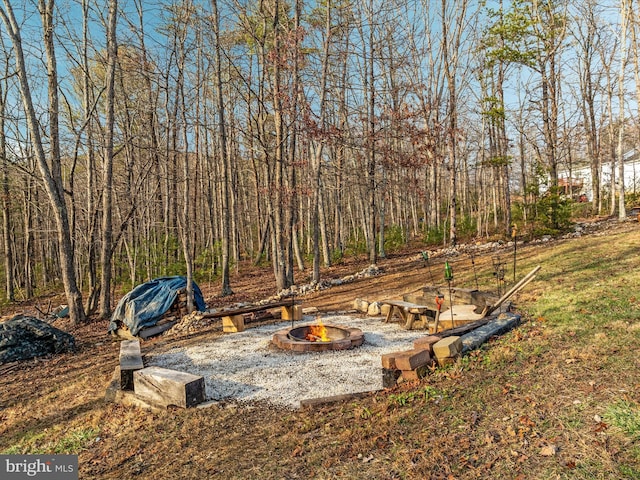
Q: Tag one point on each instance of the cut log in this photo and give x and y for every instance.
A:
(498, 326)
(233, 324)
(165, 387)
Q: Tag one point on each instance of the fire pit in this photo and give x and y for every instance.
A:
(318, 338)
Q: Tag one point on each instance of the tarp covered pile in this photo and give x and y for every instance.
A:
(146, 304)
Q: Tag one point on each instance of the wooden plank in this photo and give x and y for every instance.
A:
(157, 329)
(317, 402)
(461, 330)
(516, 288)
(407, 305)
(462, 313)
(248, 309)
(130, 361)
(166, 387)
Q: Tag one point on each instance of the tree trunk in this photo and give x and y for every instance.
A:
(624, 25)
(6, 205)
(222, 132)
(106, 251)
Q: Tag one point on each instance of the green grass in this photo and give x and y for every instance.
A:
(52, 442)
(625, 416)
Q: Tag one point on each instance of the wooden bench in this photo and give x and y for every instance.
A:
(233, 319)
(409, 312)
(130, 362)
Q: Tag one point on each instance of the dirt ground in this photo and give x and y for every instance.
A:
(478, 419)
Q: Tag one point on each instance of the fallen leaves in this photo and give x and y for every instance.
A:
(549, 451)
(526, 421)
(600, 427)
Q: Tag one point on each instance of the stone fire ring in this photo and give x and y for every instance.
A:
(352, 337)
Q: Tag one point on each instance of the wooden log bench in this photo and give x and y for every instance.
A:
(233, 319)
(130, 362)
(164, 387)
(409, 312)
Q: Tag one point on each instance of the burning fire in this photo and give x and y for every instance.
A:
(317, 333)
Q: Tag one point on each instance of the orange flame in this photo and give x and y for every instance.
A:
(318, 333)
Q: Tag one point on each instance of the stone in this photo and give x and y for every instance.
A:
(390, 377)
(361, 305)
(447, 347)
(374, 309)
(426, 342)
(412, 359)
(389, 360)
(416, 374)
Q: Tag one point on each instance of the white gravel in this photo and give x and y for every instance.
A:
(245, 367)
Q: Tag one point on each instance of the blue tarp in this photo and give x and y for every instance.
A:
(147, 303)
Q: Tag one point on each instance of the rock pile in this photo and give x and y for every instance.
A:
(296, 290)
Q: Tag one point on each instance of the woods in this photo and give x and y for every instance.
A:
(186, 137)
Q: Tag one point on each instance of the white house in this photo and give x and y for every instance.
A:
(579, 181)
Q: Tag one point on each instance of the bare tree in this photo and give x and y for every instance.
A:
(6, 199)
(224, 153)
(624, 27)
(107, 166)
(454, 23)
(50, 170)
(587, 33)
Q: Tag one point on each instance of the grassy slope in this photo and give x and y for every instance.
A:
(556, 398)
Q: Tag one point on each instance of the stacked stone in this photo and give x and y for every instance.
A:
(404, 366)
(398, 367)
(447, 350)
(372, 309)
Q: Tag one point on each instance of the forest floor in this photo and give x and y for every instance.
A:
(558, 397)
